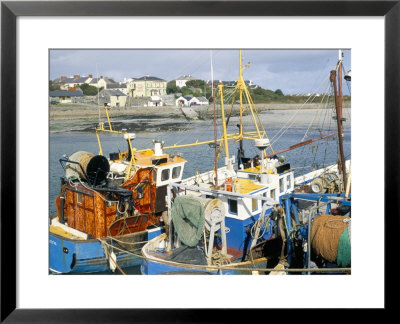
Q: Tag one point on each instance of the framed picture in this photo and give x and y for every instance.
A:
(30, 29)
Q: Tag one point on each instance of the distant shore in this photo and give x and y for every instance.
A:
(85, 118)
(78, 111)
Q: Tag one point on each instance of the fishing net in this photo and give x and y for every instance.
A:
(344, 250)
(188, 218)
(188, 255)
(326, 231)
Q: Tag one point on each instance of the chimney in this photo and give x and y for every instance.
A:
(63, 78)
(76, 76)
(101, 77)
(91, 76)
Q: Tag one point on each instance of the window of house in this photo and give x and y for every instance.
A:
(232, 206)
(164, 174)
(176, 172)
(79, 197)
(273, 193)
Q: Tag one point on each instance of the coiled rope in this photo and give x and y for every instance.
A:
(326, 231)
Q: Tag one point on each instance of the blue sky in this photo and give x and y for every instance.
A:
(292, 71)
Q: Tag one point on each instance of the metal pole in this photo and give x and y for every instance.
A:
(288, 230)
(170, 230)
(308, 242)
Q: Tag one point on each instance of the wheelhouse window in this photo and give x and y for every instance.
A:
(252, 176)
(281, 185)
(176, 172)
(273, 193)
(289, 184)
(254, 204)
(233, 206)
(164, 174)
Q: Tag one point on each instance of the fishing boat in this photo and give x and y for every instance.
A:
(108, 208)
(217, 220)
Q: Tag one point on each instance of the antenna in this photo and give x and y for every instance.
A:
(340, 54)
(212, 76)
(98, 99)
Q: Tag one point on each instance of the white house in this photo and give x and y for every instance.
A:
(181, 81)
(198, 101)
(74, 81)
(183, 101)
(155, 101)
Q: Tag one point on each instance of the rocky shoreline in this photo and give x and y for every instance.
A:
(85, 118)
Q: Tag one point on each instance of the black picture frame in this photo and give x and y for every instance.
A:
(10, 10)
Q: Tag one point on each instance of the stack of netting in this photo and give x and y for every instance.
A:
(330, 239)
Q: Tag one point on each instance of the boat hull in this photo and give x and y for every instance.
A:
(151, 267)
(69, 256)
(155, 262)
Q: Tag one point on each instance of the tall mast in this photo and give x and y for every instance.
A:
(215, 126)
(339, 115)
(240, 84)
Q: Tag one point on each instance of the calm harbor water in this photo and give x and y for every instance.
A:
(200, 158)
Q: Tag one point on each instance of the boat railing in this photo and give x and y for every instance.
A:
(217, 192)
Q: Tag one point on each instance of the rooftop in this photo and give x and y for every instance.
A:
(66, 93)
(187, 77)
(148, 78)
(112, 92)
(116, 86)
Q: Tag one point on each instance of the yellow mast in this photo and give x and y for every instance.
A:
(240, 88)
(244, 95)
(225, 136)
(110, 130)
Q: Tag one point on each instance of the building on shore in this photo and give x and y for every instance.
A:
(112, 98)
(147, 86)
(181, 81)
(183, 101)
(168, 100)
(155, 101)
(117, 86)
(71, 95)
(198, 101)
(101, 82)
(249, 83)
(73, 81)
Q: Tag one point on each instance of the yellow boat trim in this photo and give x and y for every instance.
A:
(59, 231)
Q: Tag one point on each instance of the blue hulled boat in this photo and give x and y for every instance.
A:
(246, 214)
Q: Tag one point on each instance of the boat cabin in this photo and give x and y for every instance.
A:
(91, 201)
